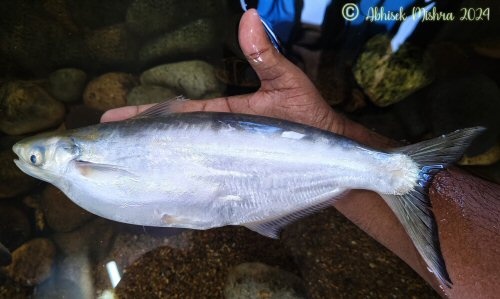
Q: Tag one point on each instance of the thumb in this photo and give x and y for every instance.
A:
(266, 60)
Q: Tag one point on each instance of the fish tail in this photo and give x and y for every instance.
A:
(413, 209)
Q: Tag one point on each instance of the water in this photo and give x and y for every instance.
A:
(65, 62)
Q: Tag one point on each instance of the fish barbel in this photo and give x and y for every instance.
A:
(206, 169)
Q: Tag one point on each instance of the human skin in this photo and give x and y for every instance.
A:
(466, 208)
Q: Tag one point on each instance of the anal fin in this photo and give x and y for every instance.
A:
(272, 227)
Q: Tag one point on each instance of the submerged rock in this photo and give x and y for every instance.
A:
(237, 72)
(61, 214)
(35, 41)
(59, 10)
(466, 101)
(449, 59)
(67, 85)
(15, 227)
(112, 45)
(194, 78)
(387, 76)
(25, 107)
(148, 94)
(11, 289)
(39, 217)
(93, 239)
(32, 262)
(193, 39)
(257, 280)
(489, 157)
(200, 269)
(92, 14)
(108, 91)
(81, 116)
(488, 47)
(5, 256)
(338, 260)
(333, 78)
(146, 17)
(12, 180)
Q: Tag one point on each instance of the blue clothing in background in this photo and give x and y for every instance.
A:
(280, 15)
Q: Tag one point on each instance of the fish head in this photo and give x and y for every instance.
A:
(46, 156)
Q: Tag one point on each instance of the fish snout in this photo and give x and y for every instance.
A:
(17, 148)
(20, 150)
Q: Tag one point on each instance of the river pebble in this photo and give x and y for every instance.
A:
(108, 91)
(32, 262)
(194, 78)
(25, 107)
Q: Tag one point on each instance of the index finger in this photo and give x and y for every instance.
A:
(228, 104)
(123, 112)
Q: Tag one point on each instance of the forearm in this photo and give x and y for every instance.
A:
(369, 212)
(467, 211)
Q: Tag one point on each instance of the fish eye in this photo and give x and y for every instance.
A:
(36, 157)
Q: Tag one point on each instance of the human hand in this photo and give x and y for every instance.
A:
(285, 92)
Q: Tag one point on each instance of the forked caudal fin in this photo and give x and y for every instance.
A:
(413, 209)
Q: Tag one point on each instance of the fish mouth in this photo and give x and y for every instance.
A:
(29, 169)
(16, 148)
(21, 164)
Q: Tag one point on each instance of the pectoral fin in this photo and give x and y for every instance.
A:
(96, 170)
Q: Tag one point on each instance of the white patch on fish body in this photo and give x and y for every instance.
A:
(292, 135)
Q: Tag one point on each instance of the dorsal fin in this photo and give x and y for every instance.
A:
(164, 108)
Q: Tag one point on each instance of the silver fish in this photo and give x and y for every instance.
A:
(204, 169)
